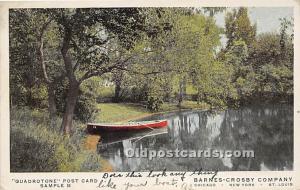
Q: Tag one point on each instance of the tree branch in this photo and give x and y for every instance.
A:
(103, 70)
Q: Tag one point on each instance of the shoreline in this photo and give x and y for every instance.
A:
(161, 112)
(124, 112)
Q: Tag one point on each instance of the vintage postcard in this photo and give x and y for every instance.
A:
(132, 95)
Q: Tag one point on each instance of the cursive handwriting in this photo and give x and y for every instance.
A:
(107, 175)
(134, 174)
(107, 184)
(201, 172)
(128, 185)
(173, 182)
(158, 173)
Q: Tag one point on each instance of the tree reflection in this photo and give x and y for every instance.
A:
(268, 130)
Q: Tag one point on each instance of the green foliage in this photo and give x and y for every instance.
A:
(152, 55)
(85, 109)
(61, 88)
(264, 69)
(214, 85)
(262, 65)
(208, 76)
(238, 27)
(86, 103)
(154, 103)
(23, 66)
(26, 76)
(174, 58)
(272, 65)
(237, 53)
(36, 148)
(235, 57)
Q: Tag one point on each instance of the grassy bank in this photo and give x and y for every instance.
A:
(36, 147)
(120, 112)
(117, 112)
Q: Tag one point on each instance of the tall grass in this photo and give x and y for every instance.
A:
(35, 147)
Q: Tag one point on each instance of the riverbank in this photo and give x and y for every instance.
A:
(35, 146)
(123, 112)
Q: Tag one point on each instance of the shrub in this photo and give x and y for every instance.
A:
(85, 108)
(154, 103)
(85, 105)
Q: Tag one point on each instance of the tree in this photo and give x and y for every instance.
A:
(286, 38)
(238, 27)
(118, 78)
(241, 36)
(88, 38)
(243, 76)
(184, 56)
(98, 41)
(208, 75)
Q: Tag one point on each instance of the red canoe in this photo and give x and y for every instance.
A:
(131, 126)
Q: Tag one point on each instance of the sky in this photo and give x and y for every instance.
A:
(266, 18)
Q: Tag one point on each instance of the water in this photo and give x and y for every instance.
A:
(267, 130)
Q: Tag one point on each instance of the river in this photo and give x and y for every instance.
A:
(265, 129)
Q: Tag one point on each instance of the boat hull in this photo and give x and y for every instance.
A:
(94, 127)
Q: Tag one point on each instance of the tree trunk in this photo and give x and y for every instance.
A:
(198, 96)
(180, 98)
(117, 92)
(49, 83)
(182, 91)
(71, 100)
(118, 77)
(52, 104)
(73, 90)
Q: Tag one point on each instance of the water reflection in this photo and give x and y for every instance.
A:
(268, 130)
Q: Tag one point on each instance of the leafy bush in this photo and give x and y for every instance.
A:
(86, 103)
(154, 103)
(35, 147)
(85, 108)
